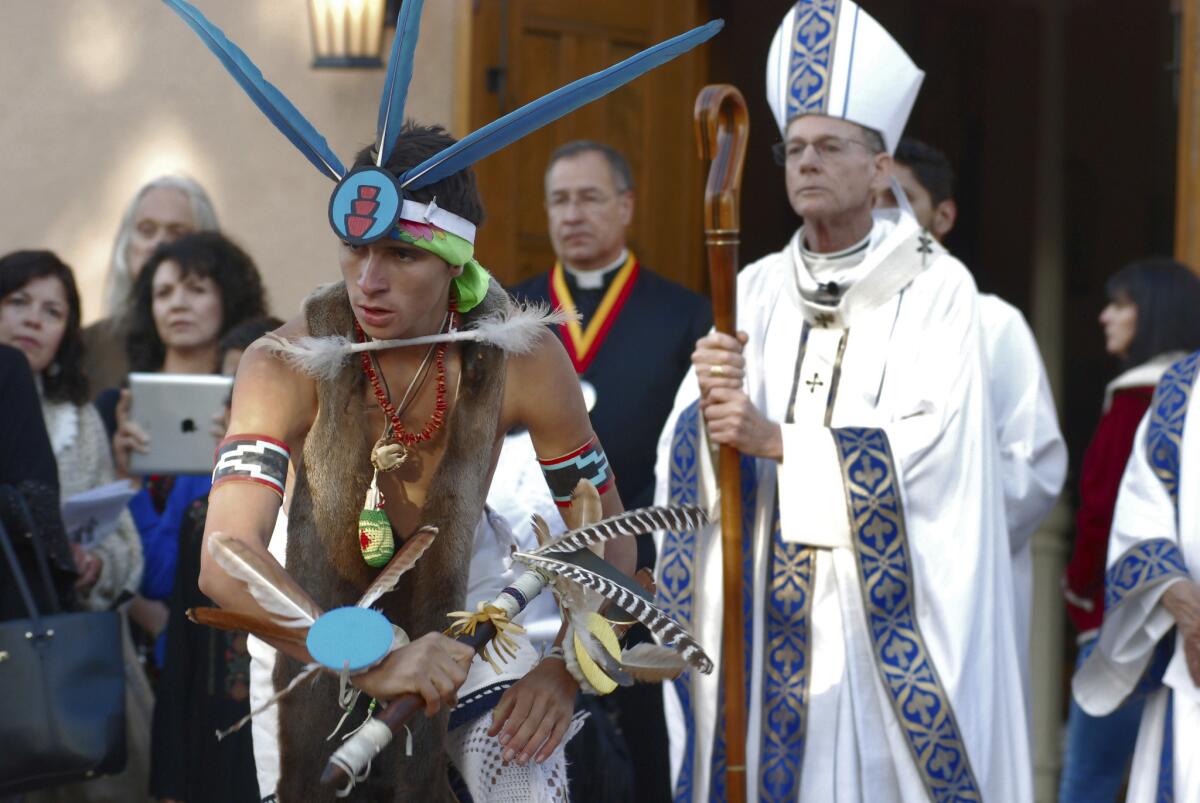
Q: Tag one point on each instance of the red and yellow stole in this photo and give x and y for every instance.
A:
(584, 344)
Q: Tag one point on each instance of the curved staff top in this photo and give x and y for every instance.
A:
(369, 203)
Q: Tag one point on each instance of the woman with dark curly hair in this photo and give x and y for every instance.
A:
(162, 211)
(173, 329)
(189, 294)
(40, 314)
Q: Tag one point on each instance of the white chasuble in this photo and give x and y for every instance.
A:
(879, 646)
(1030, 449)
(1155, 539)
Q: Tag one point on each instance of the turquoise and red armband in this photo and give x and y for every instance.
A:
(588, 462)
(252, 458)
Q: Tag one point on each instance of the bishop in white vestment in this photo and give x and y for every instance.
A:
(1145, 646)
(880, 655)
(880, 596)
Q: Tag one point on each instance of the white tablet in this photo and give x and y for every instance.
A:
(176, 411)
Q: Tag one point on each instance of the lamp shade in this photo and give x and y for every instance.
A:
(347, 33)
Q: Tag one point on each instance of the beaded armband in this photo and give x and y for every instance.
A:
(588, 462)
(252, 458)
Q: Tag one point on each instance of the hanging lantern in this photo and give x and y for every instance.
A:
(347, 33)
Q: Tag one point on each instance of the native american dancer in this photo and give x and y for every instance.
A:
(1149, 643)
(879, 647)
(390, 395)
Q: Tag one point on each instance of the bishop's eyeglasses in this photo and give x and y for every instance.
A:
(827, 149)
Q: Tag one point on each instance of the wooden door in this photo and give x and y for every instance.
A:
(523, 49)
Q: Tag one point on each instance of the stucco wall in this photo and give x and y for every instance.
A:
(101, 95)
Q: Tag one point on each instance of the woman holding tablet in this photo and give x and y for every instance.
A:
(40, 314)
(190, 293)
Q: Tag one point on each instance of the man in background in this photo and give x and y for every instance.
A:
(1032, 454)
(631, 349)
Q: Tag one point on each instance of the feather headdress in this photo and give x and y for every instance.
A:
(383, 200)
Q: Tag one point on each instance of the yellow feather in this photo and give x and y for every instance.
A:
(598, 627)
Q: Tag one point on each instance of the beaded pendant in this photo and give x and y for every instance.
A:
(375, 537)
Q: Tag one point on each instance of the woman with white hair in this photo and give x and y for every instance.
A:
(163, 210)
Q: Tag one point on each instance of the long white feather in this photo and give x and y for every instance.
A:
(270, 586)
(516, 332)
(651, 663)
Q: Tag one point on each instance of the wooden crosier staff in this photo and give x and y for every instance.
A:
(722, 128)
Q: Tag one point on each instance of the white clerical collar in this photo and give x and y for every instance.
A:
(594, 279)
(898, 251)
(820, 273)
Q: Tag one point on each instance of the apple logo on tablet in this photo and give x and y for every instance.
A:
(188, 425)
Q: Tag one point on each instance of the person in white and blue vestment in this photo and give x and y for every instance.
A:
(1149, 643)
(880, 648)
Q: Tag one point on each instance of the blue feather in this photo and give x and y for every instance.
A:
(278, 109)
(548, 108)
(399, 74)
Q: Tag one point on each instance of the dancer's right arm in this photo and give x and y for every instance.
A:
(272, 400)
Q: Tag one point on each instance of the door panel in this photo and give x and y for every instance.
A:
(523, 49)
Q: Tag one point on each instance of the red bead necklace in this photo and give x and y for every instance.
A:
(399, 433)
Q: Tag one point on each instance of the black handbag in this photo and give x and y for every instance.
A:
(62, 681)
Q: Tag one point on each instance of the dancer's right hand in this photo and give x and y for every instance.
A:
(433, 666)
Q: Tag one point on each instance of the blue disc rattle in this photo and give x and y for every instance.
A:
(350, 638)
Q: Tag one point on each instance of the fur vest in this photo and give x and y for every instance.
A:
(332, 477)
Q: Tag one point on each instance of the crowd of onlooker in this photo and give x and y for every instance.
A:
(183, 299)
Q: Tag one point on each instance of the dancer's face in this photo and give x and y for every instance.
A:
(396, 289)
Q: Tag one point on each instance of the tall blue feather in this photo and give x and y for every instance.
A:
(548, 108)
(278, 109)
(399, 74)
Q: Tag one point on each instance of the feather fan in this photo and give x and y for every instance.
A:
(634, 522)
(652, 663)
(662, 626)
(548, 108)
(402, 561)
(246, 623)
(323, 357)
(277, 593)
(277, 108)
(399, 74)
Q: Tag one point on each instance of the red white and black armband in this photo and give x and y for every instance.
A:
(252, 458)
(588, 462)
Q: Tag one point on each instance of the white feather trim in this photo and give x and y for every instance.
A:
(515, 331)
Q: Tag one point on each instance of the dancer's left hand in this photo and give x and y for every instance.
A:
(534, 714)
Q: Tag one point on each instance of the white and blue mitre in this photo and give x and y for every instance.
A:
(830, 57)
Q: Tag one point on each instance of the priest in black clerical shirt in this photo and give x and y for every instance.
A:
(631, 350)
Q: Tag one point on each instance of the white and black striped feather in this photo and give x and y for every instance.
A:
(633, 522)
(662, 626)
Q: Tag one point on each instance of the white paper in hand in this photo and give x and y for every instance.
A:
(91, 516)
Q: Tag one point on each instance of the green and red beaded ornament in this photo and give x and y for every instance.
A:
(375, 536)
